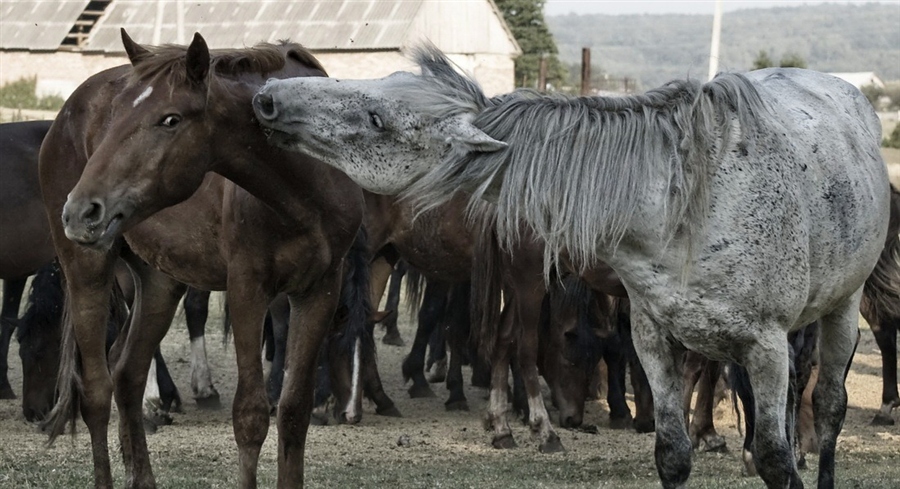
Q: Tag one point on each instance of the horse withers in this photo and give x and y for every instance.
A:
(729, 210)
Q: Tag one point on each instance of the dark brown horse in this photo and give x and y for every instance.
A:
(881, 308)
(25, 243)
(133, 141)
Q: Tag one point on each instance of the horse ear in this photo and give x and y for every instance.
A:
(472, 139)
(197, 60)
(134, 50)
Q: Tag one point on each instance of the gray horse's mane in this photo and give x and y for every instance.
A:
(577, 169)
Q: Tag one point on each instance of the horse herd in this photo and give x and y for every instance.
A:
(668, 233)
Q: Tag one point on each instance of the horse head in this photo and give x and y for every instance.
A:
(369, 129)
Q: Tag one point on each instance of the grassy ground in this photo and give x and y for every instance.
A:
(445, 450)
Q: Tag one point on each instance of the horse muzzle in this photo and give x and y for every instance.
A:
(89, 223)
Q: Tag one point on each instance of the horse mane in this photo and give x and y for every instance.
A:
(577, 168)
(169, 61)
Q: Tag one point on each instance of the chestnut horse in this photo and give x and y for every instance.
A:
(133, 141)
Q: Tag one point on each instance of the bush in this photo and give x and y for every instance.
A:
(20, 94)
(892, 141)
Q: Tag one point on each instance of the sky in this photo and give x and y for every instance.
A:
(560, 7)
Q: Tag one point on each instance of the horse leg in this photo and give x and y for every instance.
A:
(702, 429)
(196, 312)
(457, 400)
(886, 337)
(437, 355)
(9, 316)
(89, 281)
(381, 271)
(740, 383)
(371, 379)
(429, 318)
(312, 314)
(640, 385)
(767, 364)
(279, 316)
(662, 362)
(247, 303)
(156, 300)
(168, 391)
(497, 414)
(619, 413)
(693, 365)
(839, 335)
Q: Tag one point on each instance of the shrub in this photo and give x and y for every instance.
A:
(20, 94)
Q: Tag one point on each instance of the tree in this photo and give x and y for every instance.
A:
(525, 19)
(762, 61)
(789, 60)
(792, 60)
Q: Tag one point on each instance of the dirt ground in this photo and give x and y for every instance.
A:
(444, 450)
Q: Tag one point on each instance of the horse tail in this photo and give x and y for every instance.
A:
(355, 302)
(415, 287)
(881, 292)
(487, 288)
(69, 386)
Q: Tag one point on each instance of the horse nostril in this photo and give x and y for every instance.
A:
(265, 106)
(93, 212)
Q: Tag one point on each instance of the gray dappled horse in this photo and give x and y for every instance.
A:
(734, 211)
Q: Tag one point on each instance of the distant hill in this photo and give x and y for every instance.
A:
(657, 48)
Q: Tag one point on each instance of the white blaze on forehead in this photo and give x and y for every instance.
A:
(143, 96)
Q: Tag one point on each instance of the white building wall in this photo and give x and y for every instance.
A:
(57, 73)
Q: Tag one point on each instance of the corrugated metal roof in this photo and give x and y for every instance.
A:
(37, 25)
(317, 24)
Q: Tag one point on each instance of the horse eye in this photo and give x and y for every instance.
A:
(376, 120)
(170, 120)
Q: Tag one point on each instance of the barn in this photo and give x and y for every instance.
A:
(62, 43)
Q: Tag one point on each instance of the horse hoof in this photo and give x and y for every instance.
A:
(6, 392)
(644, 426)
(421, 392)
(209, 403)
(318, 420)
(462, 405)
(882, 419)
(393, 340)
(504, 442)
(391, 412)
(150, 427)
(552, 445)
(713, 444)
(621, 423)
(801, 462)
(749, 469)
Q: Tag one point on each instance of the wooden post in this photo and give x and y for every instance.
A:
(542, 74)
(585, 71)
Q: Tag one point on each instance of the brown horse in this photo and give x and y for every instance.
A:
(25, 243)
(881, 308)
(134, 140)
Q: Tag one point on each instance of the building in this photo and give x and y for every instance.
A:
(63, 43)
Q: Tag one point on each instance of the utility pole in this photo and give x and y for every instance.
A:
(542, 74)
(585, 71)
(714, 47)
